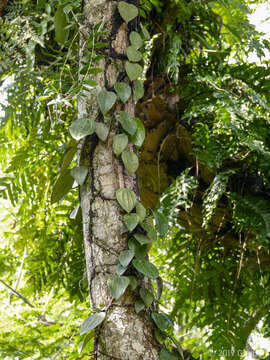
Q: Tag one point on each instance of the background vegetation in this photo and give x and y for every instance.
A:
(205, 170)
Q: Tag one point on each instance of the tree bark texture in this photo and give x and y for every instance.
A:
(124, 334)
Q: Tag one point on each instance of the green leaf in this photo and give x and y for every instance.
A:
(119, 143)
(133, 282)
(131, 161)
(151, 231)
(85, 341)
(81, 127)
(167, 355)
(92, 322)
(126, 257)
(146, 296)
(128, 123)
(79, 174)
(146, 268)
(117, 285)
(142, 239)
(120, 269)
(133, 54)
(161, 222)
(159, 336)
(138, 90)
(140, 250)
(62, 186)
(106, 100)
(69, 154)
(145, 32)
(141, 211)
(161, 320)
(131, 221)
(60, 26)
(101, 130)
(134, 71)
(126, 198)
(138, 138)
(123, 91)
(139, 306)
(128, 12)
(135, 39)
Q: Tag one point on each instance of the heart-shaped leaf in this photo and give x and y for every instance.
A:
(127, 11)
(128, 123)
(131, 221)
(138, 138)
(79, 174)
(126, 198)
(120, 269)
(146, 268)
(126, 257)
(138, 90)
(101, 130)
(133, 54)
(134, 71)
(92, 322)
(81, 127)
(117, 285)
(106, 100)
(119, 143)
(162, 222)
(135, 39)
(139, 306)
(123, 91)
(140, 211)
(60, 26)
(85, 341)
(131, 161)
(146, 296)
(140, 250)
(161, 320)
(62, 186)
(167, 355)
(160, 337)
(133, 282)
(142, 239)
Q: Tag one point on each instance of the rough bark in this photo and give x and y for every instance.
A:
(124, 334)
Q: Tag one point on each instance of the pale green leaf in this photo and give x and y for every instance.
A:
(79, 174)
(139, 306)
(142, 239)
(92, 322)
(128, 123)
(131, 221)
(119, 143)
(127, 11)
(146, 296)
(120, 269)
(60, 26)
(162, 222)
(135, 39)
(134, 71)
(133, 54)
(146, 268)
(138, 90)
(140, 250)
(101, 130)
(141, 211)
(81, 127)
(126, 198)
(131, 161)
(106, 100)
(138, 138)
(126, 257)
(123, 91)
(133, 282)
(117, 285)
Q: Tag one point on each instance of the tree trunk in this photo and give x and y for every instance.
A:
(124, 334)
